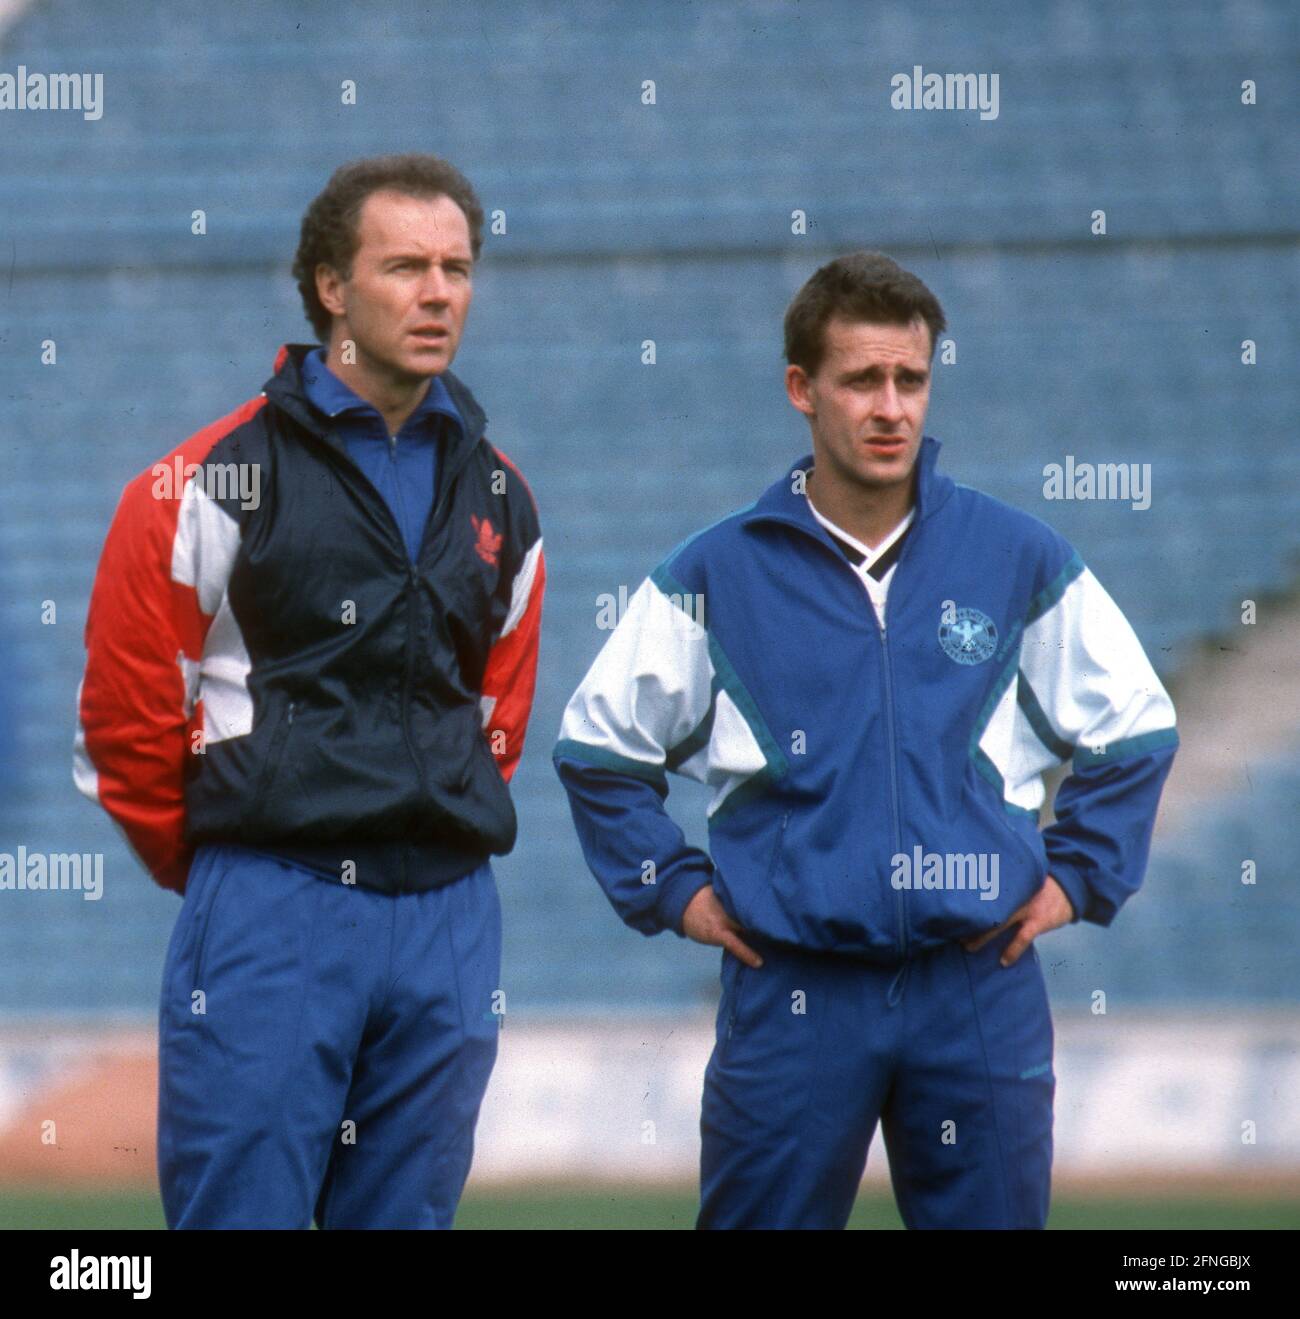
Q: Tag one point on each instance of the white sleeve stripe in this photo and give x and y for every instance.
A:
(84, 773)
(522, 590)
(649, 687)
(203, 555)
(204, 548)
(650, 691)
(1088, 671)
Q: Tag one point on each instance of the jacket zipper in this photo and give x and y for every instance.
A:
(886, 668)
(891, 736)
(445, 481)
(912, 534)
(380, 506)
(385, 513)
(407, 684)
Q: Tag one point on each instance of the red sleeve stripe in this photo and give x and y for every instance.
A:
(510, 679)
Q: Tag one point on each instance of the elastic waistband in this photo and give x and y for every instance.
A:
(383, 867)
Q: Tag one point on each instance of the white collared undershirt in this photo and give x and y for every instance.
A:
(877, 590)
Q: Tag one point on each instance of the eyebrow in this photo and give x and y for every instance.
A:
(850, 377)
(463, 259)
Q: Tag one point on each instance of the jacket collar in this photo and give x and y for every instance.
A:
(330, 395)
(782, 502)
(286, 390)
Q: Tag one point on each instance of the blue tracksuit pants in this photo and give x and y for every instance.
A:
(952, 1054)
(323, 1048)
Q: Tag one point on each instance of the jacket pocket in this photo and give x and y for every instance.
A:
(981, 798)
(1038, 864)
(777, 847)
(271, 767)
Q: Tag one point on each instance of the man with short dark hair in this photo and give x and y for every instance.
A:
(873, 668)
(306, 691)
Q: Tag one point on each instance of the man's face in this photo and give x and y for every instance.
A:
(405, 303)
(868, 400)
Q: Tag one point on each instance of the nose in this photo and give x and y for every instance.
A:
(889, 404)
(435, 289)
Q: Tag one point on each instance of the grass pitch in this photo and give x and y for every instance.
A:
(640, 1209)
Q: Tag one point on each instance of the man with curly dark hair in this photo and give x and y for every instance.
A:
(304, 708)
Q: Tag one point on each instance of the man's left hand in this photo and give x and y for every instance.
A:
(1048, 909)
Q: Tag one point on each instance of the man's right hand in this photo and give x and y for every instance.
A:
(705, 920)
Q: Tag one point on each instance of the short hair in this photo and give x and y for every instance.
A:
(862, 286)
(329, 227)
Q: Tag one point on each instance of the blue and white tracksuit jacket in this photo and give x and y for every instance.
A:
(862, 773)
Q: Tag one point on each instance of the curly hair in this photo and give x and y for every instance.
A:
(862, 286)
(329, 227)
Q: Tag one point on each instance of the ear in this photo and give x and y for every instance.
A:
(797, 388)
(329, 289)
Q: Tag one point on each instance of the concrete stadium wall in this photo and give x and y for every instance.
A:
(1154, 1096)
